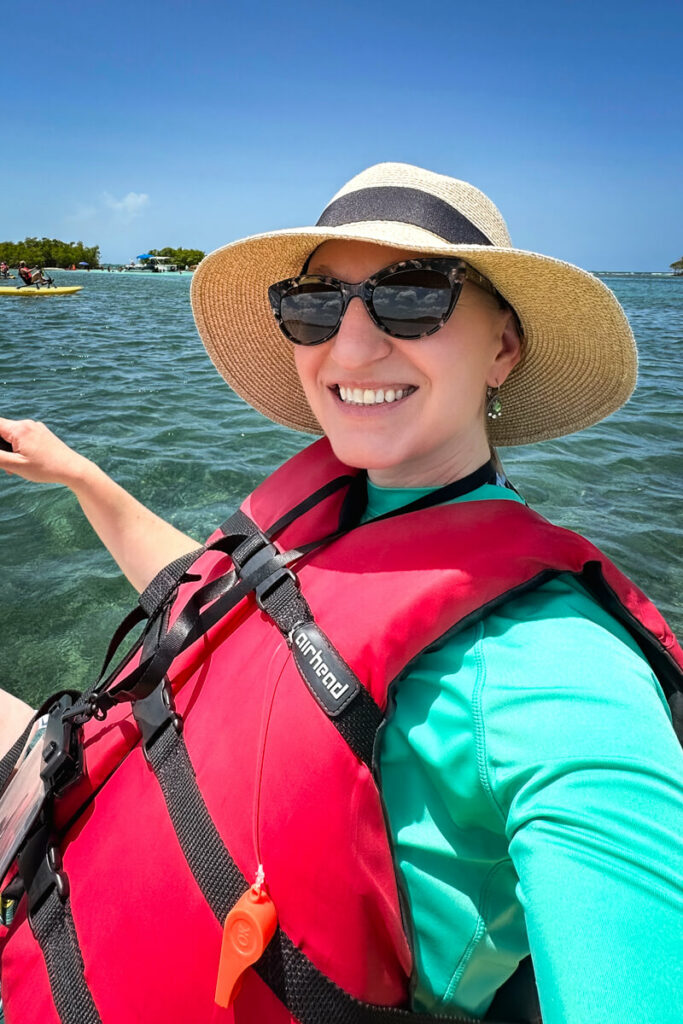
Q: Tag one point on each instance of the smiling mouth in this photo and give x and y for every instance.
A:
(372, 396)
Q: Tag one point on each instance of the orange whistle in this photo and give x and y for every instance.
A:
(248, 929)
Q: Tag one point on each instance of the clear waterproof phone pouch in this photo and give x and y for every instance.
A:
(49, 761)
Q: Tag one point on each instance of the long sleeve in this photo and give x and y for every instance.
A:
(534, 792)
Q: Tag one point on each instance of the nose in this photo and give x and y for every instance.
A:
(358, 342)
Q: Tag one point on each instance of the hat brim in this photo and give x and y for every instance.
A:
(579, 363)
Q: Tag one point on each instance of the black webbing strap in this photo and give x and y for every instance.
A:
(278, 595)
(308, 994)
(151, 602)
(188, 627)
(313, 998)
(238, 531)
(307, 504)
(356, 499)
(263, 570)
(212, 866)
(361, 718)
(54, 929)
(49, 914)
(8, 762)
(167, 580)
(676, 706)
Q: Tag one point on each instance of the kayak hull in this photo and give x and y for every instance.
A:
(31, 290)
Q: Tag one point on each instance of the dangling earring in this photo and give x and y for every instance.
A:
(494, 406)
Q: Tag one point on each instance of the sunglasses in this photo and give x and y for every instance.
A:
(409, 300)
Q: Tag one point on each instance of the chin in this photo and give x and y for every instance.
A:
(363, 453)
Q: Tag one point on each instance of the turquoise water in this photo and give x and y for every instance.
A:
(119, 372)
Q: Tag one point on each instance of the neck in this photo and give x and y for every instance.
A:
(442, 469)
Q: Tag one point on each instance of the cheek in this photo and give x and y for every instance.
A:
(308, 362)
(465, 358)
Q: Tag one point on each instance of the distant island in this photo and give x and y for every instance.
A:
(677, 267)
(49, 252)
(52, 252)
(181, 257)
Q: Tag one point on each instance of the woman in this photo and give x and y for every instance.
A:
(419, 722)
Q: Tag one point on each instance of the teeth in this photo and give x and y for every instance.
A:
(370, 396)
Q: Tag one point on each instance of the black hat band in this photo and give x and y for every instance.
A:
(407, 206)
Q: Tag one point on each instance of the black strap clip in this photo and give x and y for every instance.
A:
(154, 714)
(61, 758)
(262, 570)
(272, 582)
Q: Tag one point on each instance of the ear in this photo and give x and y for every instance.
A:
(509, 352)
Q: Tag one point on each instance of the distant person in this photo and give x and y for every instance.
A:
(4, 270)
(33, 277)
(25, 273)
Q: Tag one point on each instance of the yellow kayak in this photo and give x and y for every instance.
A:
(43, 290)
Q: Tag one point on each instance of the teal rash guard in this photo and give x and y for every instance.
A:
(533, 788)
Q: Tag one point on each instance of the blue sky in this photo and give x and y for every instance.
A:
(140, 125)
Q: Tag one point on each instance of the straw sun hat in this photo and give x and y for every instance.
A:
(579, 362)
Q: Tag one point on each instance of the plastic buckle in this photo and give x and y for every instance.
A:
(154, 713)
(259, 562)
(61, 755)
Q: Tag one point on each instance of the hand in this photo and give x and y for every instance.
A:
(38, 454)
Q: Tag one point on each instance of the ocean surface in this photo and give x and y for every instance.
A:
(119, 372)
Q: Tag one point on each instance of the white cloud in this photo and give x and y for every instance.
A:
(129, 207)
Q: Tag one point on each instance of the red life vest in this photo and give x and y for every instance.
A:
(280, 782)
(25, 274)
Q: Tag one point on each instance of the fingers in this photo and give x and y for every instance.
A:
(5, 427)
(34, 452)
(6, 435)
(38, 454)
(12, 431)
(9, 443)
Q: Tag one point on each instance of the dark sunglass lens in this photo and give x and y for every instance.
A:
(311, 311)
(410, 303)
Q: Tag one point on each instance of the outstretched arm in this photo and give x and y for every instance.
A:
(138, 540)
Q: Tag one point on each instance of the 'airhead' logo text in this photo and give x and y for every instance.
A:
(315, 660)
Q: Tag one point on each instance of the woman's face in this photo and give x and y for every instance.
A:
(436, 431)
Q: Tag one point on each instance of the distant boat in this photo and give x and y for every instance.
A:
(163, 265)
(153, 265)
(137, 267)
